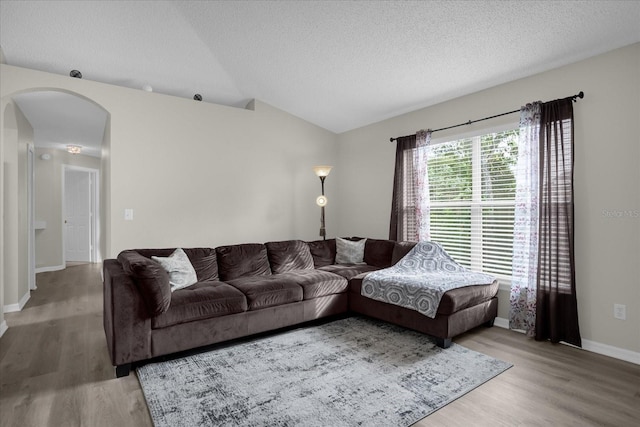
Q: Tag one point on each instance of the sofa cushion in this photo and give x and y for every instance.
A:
(323, 252)
(400, 250)
(151, 279)
(201, 301)
(289, 255)
(349, 251)
(348, 270)
(317, 283)
(461, 298)
(453, 300)
(378, 252)
(248, 259)
(267, 291)
(181, 272)
(203, 260)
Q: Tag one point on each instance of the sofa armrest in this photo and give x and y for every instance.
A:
(127, 325)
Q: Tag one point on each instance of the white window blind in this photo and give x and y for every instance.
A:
(472, 193)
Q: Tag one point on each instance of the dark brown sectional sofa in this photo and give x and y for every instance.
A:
(246, 289)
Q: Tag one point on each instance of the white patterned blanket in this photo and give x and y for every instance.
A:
(419, 280)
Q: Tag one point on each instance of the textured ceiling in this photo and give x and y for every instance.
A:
(340, 65)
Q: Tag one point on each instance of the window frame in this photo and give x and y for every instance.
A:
(476, 204)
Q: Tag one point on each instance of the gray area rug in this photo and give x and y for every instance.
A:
(350, 372)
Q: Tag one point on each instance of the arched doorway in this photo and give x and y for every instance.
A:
(37, 126)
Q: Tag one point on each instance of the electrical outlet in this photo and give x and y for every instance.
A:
(620, 311)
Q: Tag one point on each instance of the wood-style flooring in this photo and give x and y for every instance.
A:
(55, 371)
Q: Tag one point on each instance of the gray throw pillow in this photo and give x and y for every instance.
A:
(181, 272)
(349, 251)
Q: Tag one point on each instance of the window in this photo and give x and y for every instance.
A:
(472, 198)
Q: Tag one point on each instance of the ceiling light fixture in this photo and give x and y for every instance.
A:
(147, 88)
(75, 73)
(74, 149)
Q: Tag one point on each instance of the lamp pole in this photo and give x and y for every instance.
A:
(322, 172)
(323, 231)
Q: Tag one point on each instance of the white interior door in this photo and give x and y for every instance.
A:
(77, 195)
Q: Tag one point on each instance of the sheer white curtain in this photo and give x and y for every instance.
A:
(423, 210)
(522, 313)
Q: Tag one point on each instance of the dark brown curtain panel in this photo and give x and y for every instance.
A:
(556, 309)
(403, 224)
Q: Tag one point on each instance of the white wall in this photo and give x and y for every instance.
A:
(607, 178)
(222, 176)
(16, 134)
(25, 138)
(105, 192)
(4, 135)
(197, 173)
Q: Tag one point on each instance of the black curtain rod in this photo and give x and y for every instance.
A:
(573, 98)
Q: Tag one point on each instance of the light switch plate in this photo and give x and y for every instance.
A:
(620, 311)
(128, 214)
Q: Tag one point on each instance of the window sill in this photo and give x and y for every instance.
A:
(505, 283)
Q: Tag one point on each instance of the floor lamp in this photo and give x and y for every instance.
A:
(322, 172)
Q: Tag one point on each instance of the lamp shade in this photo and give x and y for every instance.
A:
(321, 201)
(322, 170)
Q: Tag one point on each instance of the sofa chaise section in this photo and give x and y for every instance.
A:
(460, 310)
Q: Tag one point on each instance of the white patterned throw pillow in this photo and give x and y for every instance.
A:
(181, 272)
(349, 251)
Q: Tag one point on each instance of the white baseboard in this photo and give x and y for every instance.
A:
(592, 346)
(611, 351)
(3, 328)
(50, 268)
(18, 307)
(501, 322)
